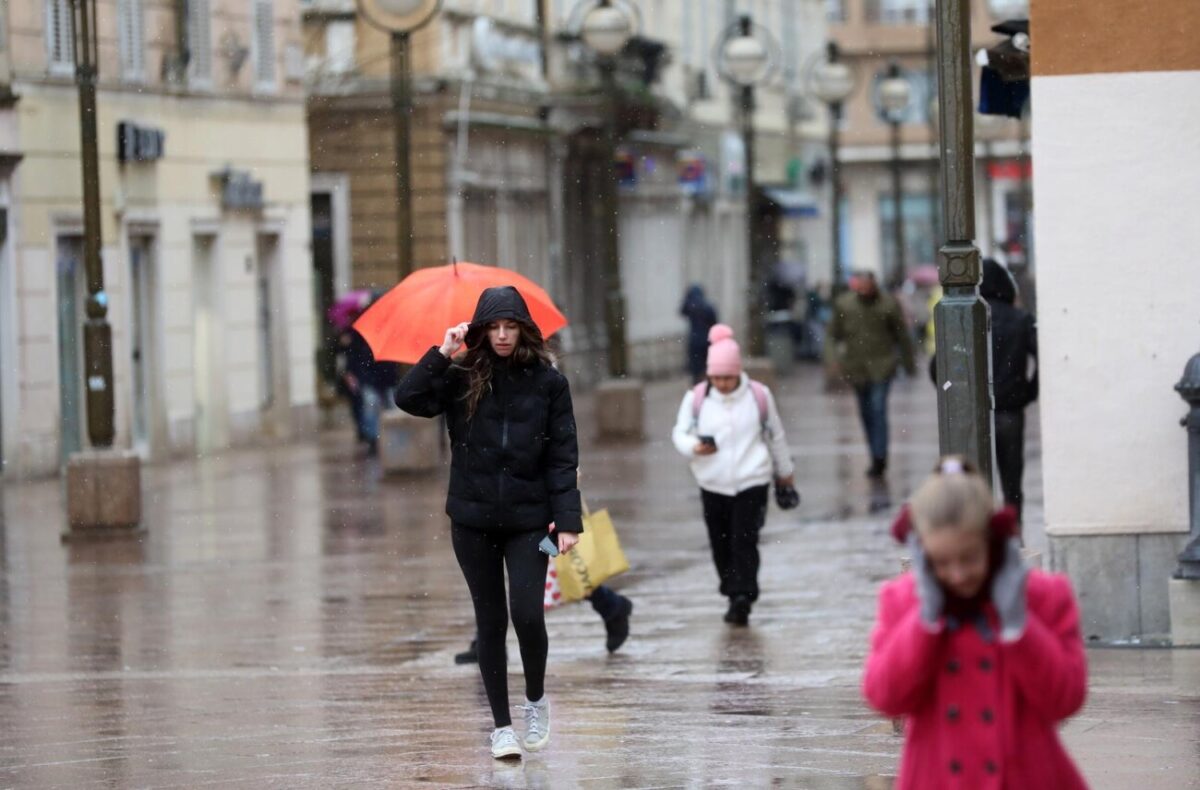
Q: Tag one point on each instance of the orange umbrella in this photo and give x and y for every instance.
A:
(403, 323)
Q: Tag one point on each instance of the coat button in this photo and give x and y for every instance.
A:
(952, 713)
(985, 664)
(955, 767)
(988, 717)
(990, 767)
(952, 666)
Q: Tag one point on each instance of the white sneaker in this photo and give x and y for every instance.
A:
(504, 743)
(537, 724)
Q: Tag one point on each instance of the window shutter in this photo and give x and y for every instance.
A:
(199, 30)
(60, 52)
(264, 43)
(131, 39)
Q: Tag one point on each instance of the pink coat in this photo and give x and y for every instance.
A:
(980, 714)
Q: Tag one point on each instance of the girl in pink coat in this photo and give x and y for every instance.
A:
(982, 656)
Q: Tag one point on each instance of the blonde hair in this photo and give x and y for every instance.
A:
(954, 496)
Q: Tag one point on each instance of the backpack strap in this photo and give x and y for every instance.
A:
(699, 393)
(759, 391)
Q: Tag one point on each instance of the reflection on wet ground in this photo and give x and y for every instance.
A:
(291, 616)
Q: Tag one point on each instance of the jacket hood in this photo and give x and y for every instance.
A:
(500, 302)
(997, 283)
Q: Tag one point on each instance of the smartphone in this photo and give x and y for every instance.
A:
(710, 441)
(548, 546)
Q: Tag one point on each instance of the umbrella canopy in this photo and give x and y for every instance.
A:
(348, 307)
(925, 275)
(406, 321)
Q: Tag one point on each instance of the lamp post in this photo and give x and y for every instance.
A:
(605, 29)
(97, 333)
(400, 19)
(745, 57)
(895, 92)
(832, 81)
(961, 317)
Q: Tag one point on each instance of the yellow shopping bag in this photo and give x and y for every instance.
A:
(596, 558)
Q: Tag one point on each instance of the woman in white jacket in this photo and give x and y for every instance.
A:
(730, 430)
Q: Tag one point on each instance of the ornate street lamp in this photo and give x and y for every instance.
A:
(400, 19)
(961, 317)
(605, 27)
(832, 81)
(746, 55)
(895, 93)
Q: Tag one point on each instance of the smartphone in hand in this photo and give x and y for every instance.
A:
(710, 441)
(549, 546)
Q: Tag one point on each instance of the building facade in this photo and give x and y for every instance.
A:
(871, 35)
(205, 222)
(507, 154)
(1116, 196)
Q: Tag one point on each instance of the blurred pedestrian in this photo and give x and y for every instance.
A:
(701, 316)
(982, 655)
(370, 384)
(1014, 376)
(729, 428)
(513, 472)
(870, 339)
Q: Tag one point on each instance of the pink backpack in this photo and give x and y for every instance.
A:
(701, 390)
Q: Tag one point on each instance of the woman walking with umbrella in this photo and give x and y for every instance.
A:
(513, 472)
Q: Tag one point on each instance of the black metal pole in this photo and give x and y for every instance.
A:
(898, 263)
(961, 317)
(754, 293)
(614, 302)
(402, 108)
(97, 333)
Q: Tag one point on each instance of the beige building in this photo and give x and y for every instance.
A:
(872, 34)
(204, 189)
(506, 156)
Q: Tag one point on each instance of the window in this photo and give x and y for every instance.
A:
(1009, 9)
(131, 39)
(264, 44)
(899, 12)
(199, 34)
(835, 11)
(920, 242)
(60, 37)
(339, 46)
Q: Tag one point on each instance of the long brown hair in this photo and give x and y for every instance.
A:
(480, 361)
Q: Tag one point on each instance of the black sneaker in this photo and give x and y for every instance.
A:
(739, 611)
(617, 627)
(878, 467)
(468, 656)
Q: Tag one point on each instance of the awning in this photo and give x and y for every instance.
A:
(792, 202)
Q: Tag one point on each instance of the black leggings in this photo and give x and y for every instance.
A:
(482, 556)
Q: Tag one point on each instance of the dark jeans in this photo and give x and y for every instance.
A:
(483, 555)
(1010, 455)
(733, 526)
(872, 410)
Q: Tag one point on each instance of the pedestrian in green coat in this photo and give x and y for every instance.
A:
(869, 340)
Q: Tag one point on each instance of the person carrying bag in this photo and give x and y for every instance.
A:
(730, 431)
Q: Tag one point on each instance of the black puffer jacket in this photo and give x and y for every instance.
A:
(1014, 341)
(514, 464)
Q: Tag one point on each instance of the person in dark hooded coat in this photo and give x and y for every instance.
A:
(1014, 376)
(513, 471)
(701, 316)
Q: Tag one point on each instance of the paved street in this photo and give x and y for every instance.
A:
(290, 620)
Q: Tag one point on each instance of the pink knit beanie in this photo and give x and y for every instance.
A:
(724, 354)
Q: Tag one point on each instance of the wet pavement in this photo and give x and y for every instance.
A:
(291, 616)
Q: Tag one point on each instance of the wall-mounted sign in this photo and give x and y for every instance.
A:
(139, 143)
(693, 172)
(239, 191)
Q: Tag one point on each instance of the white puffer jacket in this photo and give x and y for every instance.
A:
(745, 458)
